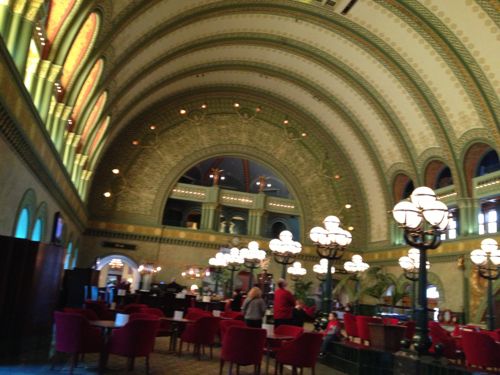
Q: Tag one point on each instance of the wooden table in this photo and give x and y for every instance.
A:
(107, 327)
(386, 336)
(176, 325)
(273, 338)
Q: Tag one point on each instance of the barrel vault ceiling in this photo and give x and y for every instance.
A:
(378, 91)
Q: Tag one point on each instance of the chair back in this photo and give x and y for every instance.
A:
(99, 307)
(390, 321)
(410, 329)
(69, 331)
(195, 313)
(232, 314)
(142, 315)
(208, 327)
(87, 313)
(153, 311)
(238, 340)
(350, 326)
(134, 308)
(288, 330)
(135, 339)
(441, 336)
(362, 325)
(480, 349)
(225, 324)
(302, 351)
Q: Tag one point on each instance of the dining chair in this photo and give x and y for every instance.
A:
(135, 339)
(200, 333)
(225, 324)
(235, 348)
(75, 336)
(301, 352)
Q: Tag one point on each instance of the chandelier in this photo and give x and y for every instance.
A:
(195, 272)
(116, 264)
(296, 271)
(149, 268)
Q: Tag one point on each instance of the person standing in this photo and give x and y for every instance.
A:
(254, 308)
(284, 302)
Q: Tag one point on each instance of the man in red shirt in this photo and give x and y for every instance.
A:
(284, 302)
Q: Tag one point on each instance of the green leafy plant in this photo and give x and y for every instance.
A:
(302, 289)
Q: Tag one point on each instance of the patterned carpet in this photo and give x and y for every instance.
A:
(161, 363)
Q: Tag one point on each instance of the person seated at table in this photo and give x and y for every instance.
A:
(332, 332)
(236, 301)
(173, 287)
(254, 308)
(299, 314)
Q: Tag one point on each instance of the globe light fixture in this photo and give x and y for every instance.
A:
(356, 266)
(423, 218)
(487, 260)
(285, 250)
(252, 257)
(296, 271)
(411, 265)
(331, 241)
(320, 269)
(234, 261)
(217, 264)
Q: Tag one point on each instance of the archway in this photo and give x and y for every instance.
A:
(127, 272)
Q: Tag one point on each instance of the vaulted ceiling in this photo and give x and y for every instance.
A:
(337, 104)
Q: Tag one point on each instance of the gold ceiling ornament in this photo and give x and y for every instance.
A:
(246, 114)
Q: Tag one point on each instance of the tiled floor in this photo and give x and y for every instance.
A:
(161, 363)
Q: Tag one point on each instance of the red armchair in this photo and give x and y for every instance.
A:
(135, 339)
(165, 326)
(194, 313)
(100, 308)
(299, 353)
(410, 329)
(225, 324)
(362, 326)
(74, 336)
(200, 333)
(440, 336)
(232, 314)
(350, 326)
(235, 348)
(481, 350)
(133, 308)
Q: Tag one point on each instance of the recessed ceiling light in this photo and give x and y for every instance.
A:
(115, 171)
(348, 205)
(135, 142)
(203, 106)
(182, 111)
(285, 122)
(337, 177)
(107, 194)
(236, 105)
(304, 134)
(152, 127)
(258, 109)
(350, 227)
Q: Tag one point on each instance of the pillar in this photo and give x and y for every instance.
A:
(47, 90)
(5, 16)
(255, 222)
(39, 80)
(468, 211)
(209, 214)
(72, 153)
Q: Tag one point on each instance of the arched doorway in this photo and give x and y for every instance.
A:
(116, 268)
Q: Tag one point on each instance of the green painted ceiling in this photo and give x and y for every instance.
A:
(379, 91)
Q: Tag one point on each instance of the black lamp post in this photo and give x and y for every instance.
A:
(356, 266)
(217, 264)
(487, 260)
(285, 249)
(424, 219)
(330, 242)
(411, 265)
(234, 261)
(321, 274)
(252, 257)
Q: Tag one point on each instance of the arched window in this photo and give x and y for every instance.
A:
(36, 234)
(69, 251)
(23, 222)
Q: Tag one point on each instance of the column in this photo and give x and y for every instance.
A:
(5, 15)
(255, 222)
(468, 211)
(21, 30)
(72, 153)
(209, 214)
(48, 90)
(61, 128)
(39, 79)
